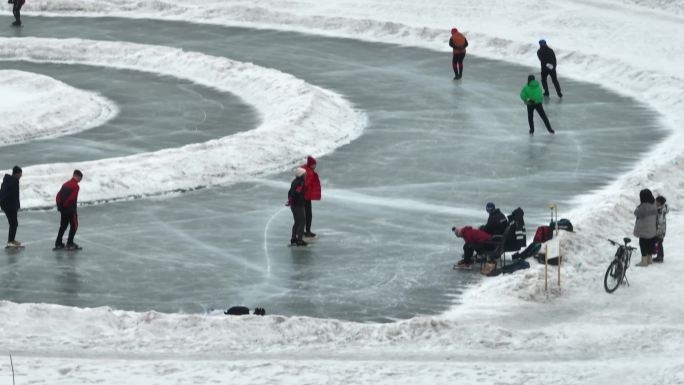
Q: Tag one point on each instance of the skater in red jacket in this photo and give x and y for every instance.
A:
(67, 199)
(312, 192)
(474, 239)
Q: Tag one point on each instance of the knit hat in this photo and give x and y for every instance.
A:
(530, 78)
(16, 170)
(299, 172)
(542, 42)
(490, 207)
(310, 161)
(454, 30)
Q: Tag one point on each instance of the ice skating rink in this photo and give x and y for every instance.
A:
(433, 153)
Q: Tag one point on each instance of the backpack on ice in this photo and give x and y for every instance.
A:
(543, 234)
(563, 224)
(518, 239)
(530, 251)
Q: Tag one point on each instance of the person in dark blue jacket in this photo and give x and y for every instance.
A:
(547, 59)
(297, 203)
(9, 202)
(496, 222)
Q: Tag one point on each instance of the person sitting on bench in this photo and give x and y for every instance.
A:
(475, 240)
(497, 221)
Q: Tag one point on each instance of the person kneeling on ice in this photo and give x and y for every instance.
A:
(475, 240)
(296, 201)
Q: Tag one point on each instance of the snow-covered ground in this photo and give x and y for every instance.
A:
(42, 107)
(508, 329)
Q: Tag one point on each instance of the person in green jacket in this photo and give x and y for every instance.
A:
(533, 96)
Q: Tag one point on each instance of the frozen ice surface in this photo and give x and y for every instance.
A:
(390, 197)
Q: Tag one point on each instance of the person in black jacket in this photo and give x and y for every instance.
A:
(16, 10)
(9, 202)
(497, 221)
(547, 58)
(297, 203)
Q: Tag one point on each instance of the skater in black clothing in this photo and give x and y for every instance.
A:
(9, 202)
(16, 10)
(296, 201)
(547, 58)
(67, 200)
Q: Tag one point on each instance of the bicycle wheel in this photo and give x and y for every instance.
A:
(613, 276)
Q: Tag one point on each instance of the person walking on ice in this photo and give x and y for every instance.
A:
(458, 43)
(67, 200)
(531, 94)
(9, 202)
(547, 58)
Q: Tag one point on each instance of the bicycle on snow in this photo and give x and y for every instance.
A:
(617, 271)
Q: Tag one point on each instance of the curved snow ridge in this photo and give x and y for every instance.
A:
(37, 106)
(103, 331)
(297, 119)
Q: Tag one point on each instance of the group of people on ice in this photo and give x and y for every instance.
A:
(305, 187)
(476, 238)
(66, 200)
(531, 94)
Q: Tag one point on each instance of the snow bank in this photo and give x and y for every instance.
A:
(37, 106)
(297, 119)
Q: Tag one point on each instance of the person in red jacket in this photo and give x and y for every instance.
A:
(312, 192)
(67, 199)
(474, 239)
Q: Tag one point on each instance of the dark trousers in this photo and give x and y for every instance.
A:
(298, 212)
(647, 246)
(660, 252)
(16, 10)
(70, 220)
(468, 251)
(309, 216)
(13, 224)
(457, 63)
(546, 72)
(540, 110)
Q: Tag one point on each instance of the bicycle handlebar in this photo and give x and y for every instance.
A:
(618, 244)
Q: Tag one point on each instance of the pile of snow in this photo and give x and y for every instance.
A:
(297, 119)
(37, 106)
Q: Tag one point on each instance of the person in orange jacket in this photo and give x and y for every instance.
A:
(67, 200)
(459, 43)
(312, 192)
